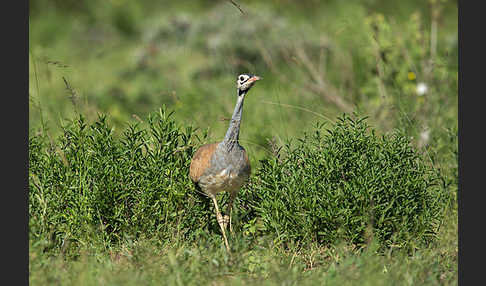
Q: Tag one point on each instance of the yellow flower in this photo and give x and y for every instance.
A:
(411, 76)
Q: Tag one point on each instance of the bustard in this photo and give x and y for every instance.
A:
(224, 166)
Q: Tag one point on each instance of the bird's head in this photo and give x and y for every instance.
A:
(245, 81)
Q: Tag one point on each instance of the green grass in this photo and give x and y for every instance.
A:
(122, 93)
(148, 262)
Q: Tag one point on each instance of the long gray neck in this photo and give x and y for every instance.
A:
(231, 137)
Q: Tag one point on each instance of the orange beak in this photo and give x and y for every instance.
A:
(253, 79)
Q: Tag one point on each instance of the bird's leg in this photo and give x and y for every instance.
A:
(220, 222)
(229, 208)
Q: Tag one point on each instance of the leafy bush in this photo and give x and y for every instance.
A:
(91, 183)
(347, 184)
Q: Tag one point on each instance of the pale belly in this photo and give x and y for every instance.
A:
(226, 180)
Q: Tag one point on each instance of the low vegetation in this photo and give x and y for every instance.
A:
(346, 183)
(93, 192)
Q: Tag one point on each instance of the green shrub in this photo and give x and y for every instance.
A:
(92, 185)
(346, 183)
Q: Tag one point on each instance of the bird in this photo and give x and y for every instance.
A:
(224, 166)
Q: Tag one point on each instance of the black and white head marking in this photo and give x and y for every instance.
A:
(244, 82)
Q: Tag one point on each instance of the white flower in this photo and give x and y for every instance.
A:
(421, 88)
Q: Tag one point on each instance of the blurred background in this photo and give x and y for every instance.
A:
(393, 61)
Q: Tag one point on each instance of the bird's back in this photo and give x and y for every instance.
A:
(201, 161)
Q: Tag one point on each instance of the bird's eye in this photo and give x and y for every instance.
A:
(242, 78)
